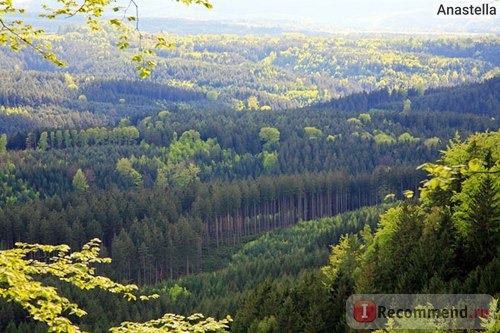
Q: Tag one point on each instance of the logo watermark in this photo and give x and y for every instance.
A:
(420, 311)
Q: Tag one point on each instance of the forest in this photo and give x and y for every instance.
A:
(263, 177)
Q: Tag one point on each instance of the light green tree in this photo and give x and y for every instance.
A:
(3, 143)
(80, 181)
(431, 143)
(406, 105)
(384, 139)
(313, 133)
(365, 118)
(125, 122)
(125, 169)
(407, 137)
(253, 103)
(354, 121)
(270, 161)
(238, 105)
(42, 142)
(270, 136)
(183, 174)
(70, 83)
(212, 95)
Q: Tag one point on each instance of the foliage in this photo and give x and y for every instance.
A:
(19, 284)
(346, 69)
(407, 137)
(468, 181)
(16, 34)
(384, 139)
(80, 181)
(125, 169)
(279, 256)
(207, 170)
(179, 192)
(12, 188)
(431, 143)
(175, 323)
(313, 133)
(270, 136)
(270, 161)
(252, 103)
(446, 244)
(180, 183)
(3, 143)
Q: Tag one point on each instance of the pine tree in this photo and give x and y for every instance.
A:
(483, 217)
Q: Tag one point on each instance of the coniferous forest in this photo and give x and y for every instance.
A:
(263, 177)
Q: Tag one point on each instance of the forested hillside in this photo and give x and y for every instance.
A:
(199, 179)
(195, 179)
(446, 242)
(238, 72)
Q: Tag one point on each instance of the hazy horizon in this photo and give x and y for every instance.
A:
(353, 14)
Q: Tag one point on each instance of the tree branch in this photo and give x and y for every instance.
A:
(21, 38)
(78, 10)
(46, 54)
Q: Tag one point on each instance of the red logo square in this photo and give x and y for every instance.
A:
(365, 311)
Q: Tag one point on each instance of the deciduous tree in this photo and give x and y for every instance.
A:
(80, 181)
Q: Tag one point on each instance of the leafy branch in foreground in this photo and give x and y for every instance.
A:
(19, 284)
(464, 162)
(175, 323)
(16, 34)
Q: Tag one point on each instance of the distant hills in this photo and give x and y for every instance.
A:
(479, 98)
(318, 17)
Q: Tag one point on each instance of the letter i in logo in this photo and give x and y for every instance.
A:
(365, 311)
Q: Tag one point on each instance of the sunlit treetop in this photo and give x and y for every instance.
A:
(463, 162)
(16, 34)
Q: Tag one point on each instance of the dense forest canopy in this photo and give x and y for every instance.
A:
(247, 72)
(220, 180)
(274, 281)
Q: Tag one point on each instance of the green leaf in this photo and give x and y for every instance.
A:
(475, 165)
(115, 22)
(408, 194)
(389, 197)
(137, 58)
(123, 45)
